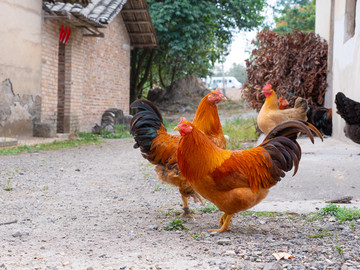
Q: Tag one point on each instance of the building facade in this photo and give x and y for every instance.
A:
(338, 21)
(65, 83)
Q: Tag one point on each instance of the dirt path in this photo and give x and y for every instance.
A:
(101, 207)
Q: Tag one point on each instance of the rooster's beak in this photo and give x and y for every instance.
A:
(223, 98)
(176, 128)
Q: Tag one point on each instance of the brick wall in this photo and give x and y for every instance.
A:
(97, 74)
(107, 75)
(49, 71)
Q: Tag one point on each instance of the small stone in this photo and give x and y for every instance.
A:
(153, 227)
(229, 253)
(212, 262)
(19, 234)
(223, 242)
(262, 222)
(272, 266)
(16, 234)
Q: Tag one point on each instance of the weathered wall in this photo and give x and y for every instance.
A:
(20, 50)
(346, 63)
(20, 46)
(17, 112)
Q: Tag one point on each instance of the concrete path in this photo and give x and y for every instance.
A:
(328, 170)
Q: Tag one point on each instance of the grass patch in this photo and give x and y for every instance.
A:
(259, 213)
(311, 217)
(85, 140)
(7, 186)
(341, 213)
(322, 234)
(209, 208)
(266, 214)
(197, 236)
(239, 131)
(339, 250)
(176, 225)
(120, 131)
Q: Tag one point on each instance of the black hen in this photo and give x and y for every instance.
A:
(349, 110)
(321, 118)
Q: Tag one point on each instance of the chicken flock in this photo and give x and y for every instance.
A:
(198, 163)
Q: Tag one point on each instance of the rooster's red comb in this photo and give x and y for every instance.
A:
(267, 87)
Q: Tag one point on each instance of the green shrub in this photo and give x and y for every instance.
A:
(341, 213)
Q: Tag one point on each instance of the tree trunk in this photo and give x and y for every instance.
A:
(146, 73)
(141, 63)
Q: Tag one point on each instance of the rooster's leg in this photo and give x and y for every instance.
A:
(197, 198)
(186, 207)
(225, 226)
(222, 219)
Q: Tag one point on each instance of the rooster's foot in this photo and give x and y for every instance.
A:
(187, 214)
(224, 223)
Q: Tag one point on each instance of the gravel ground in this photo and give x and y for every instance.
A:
(101, 207)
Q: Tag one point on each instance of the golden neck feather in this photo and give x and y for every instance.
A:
(197, 156)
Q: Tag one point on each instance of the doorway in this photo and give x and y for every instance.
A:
(60, 126)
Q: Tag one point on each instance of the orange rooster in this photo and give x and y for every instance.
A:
(270, 115)
(159, 147)
(238, 180)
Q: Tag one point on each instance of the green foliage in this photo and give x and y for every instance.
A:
(266, 214)
(7, 186)
(121, 131)
(330, 210)
(209, 208)
(341, 213)
(192, 35)
(339, 250)
(239, 131)
(85, 140)
(176, 225)
(247, 213)
(296, 15)
(322, 234)
(197, 236)
(311, 217)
